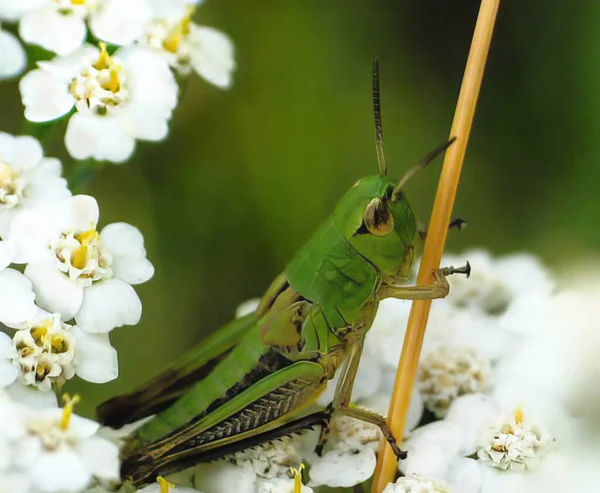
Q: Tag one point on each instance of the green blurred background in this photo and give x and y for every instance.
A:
(247, 174)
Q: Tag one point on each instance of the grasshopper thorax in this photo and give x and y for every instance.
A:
(379, 224)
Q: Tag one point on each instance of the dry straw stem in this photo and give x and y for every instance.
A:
(436, 237)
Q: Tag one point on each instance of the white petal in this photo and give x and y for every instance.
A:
(465, 476)
(31, 231)
(31, 396)
(95, 359)
(472, 413)
(45, 182)
(52, 30)
(120, 23)
(82, 213)
(61, 470)
(53, 289)
(109, 304)
(16, 298)
(223, 477)
(12, 56)
(99, 137)
(22, 152)
(427, 460)
(7, 252)
(11, 10)
(153, 91)
(342, 469)
(68, 66)
(8, 371)
(212, 55)
(126, 245)
(101, 458)
(283, 485)
(45, 96)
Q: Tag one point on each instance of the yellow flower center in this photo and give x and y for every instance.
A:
(68, 410)
(79, 256)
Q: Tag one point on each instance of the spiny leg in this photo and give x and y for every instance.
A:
(456, 223)
(439, 289)
(325, 429)
(377, 420)
(343, 394)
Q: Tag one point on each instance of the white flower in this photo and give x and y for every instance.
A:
(26, 177)
(77, 271)
(51, 450)
(417, 484)
(47, 351)
(494, 283)
(514, 434)
(60, 25)
(118, 99)
(188, 46)
(513, 443)
(16, 298)
(62, 452)
(12, 55)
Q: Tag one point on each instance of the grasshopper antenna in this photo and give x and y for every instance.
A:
(430, 156)
(377, 115)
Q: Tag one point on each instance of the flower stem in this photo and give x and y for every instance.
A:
(436, 237)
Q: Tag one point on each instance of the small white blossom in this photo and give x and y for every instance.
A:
(13, 58)
(418, 484)
(60, 25)
(27, 177)
(118, 99)
(513, 443)
(51, 450)
(47, 351)
(187, 46)
(77, 271)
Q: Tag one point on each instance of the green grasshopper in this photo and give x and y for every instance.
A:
(256, 377)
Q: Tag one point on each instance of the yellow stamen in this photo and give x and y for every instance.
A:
(164, 484)
(68, 410)
(86, 237)
(38, 334)
(113, 85)
(179, 32)
(297, 473)
(518, 414)
(78, 2)
(57, 342)
(104, 59)
(79, 257)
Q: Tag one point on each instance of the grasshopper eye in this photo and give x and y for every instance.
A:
(378, 218)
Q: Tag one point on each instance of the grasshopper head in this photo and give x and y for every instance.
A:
(379, 224)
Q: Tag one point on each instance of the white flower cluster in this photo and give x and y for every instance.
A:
(51, 450)
(508, 381)
(123, 90)
(70, 285)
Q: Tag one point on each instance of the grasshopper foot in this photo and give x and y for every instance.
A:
(465, 269)
(457, 223)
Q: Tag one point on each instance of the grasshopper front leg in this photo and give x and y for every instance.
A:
(439, 289)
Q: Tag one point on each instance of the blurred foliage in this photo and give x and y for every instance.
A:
(247, 175)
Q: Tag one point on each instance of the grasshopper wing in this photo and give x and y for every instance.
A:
(166, 388)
